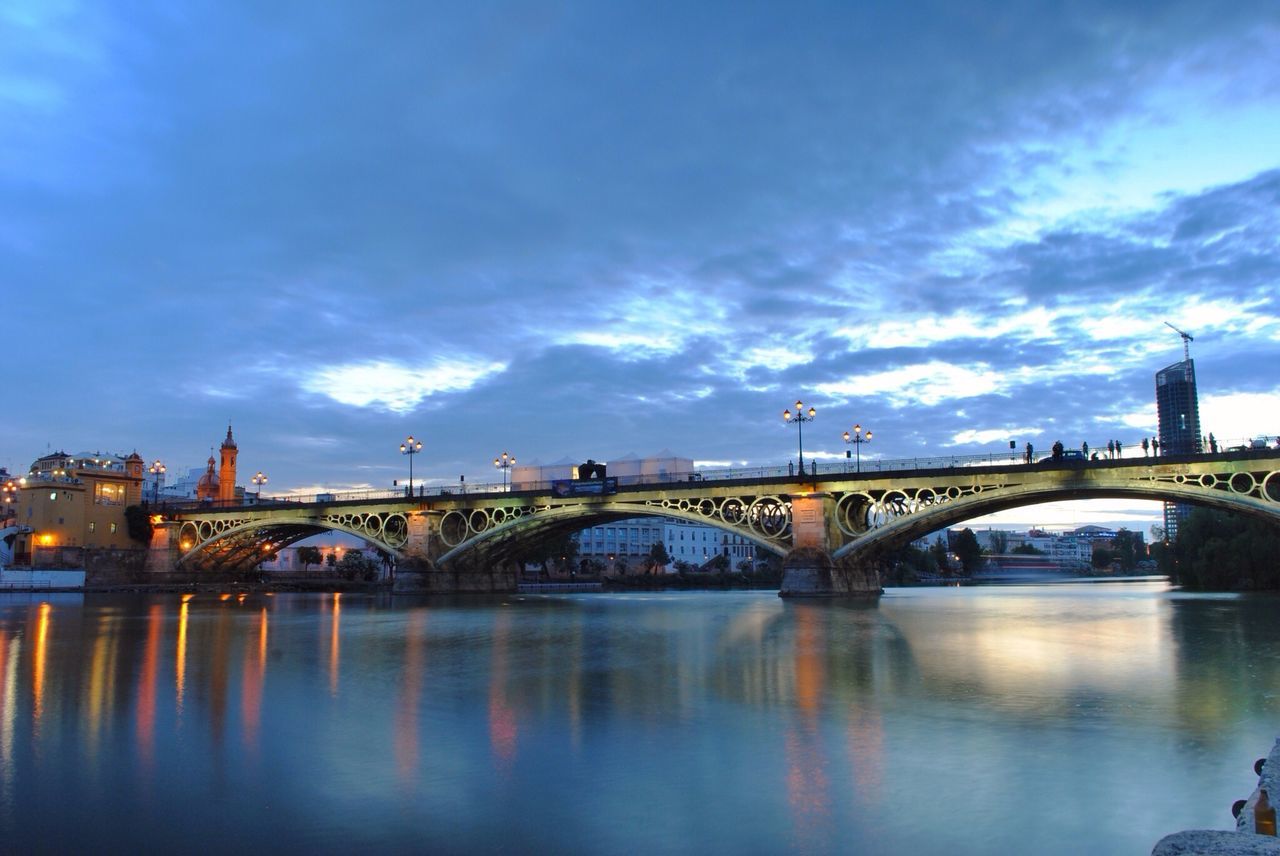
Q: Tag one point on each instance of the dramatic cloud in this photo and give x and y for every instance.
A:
(588, 229)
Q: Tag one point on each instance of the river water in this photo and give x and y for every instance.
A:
(1069, 718)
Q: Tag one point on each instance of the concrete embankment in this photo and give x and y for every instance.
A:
(1241, 842)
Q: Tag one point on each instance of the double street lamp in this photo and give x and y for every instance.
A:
(505, 462)
(410, 447)
(800, 417)
(157, 469)
(857, 438)
(260, 479)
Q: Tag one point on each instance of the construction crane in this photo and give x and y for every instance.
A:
(1187, 339)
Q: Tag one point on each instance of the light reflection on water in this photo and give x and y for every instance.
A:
(1042, 718)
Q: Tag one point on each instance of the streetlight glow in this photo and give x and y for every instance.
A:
(157, 469)
(799, 418)
(410, 447)
(260, 479)
(505, 462)
(857, 438)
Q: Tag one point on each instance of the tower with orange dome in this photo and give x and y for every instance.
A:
(227, 469)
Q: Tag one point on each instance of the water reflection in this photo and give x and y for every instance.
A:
(335, 642)
(411, 680)
(146, 704)
(808, 787)
(504, 731)
(742, 721)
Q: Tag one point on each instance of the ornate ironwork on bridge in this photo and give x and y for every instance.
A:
(847, 515)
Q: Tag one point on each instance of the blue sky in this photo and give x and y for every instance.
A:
(591, 229)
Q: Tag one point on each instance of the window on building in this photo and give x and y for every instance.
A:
(53, 496)
(106, 493)
(113, 529)
(93, 526)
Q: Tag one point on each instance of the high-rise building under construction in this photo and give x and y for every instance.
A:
(1179, 414)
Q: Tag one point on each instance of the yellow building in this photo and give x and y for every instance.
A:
(76, 501)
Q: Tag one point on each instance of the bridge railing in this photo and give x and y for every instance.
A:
(827, 469)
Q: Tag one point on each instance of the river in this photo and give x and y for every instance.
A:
(1065, 718)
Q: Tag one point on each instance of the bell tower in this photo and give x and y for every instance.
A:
(227, 469)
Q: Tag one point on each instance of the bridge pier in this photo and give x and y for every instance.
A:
(808, 570)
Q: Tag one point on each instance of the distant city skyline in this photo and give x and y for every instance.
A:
(585, 231)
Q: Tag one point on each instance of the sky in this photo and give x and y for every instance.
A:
(592, 229)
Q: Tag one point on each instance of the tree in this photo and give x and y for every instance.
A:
(1219, 551)
(309, 556)
(658, 555)
(331, 560)
(356, 565)
(938, 549)
(968, 551)
(1025, 549)
(137, 523)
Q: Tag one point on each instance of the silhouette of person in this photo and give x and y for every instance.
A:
(1145, 446)
(1119, 451)
(1155, 447)
(1030, 453)
(1111, 448)
(1213, 443)
(1084, 447)
(791, 468)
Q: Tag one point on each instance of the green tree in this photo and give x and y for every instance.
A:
(1219, 551)
(356, 565)
(309, 556)
(968, 551)
(938, 549)
(137, 523)
(658, 555)
(1129, 549)
(1027, 550)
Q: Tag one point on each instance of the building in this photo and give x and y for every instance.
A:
(627, 543)
(1178, 411)
(221, 485)
(75, 501)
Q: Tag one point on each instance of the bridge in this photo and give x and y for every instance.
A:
(832, 528)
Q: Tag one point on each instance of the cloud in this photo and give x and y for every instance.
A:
(392, 386)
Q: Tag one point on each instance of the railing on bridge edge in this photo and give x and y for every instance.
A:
(870, 467)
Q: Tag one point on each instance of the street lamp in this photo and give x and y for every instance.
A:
(260, 479)
(410, 447)
(857, 438)
(504, 463)
(157, 469)
(800, 417)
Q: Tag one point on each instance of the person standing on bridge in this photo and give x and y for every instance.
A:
(1213, 443)
(1111, 448)
(1031, 453)
(1145, 446)
(1155, 447)
(1084, 447)
(1119, 450)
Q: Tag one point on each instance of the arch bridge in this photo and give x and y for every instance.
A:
(831, 529)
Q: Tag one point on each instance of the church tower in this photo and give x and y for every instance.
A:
(227, 470)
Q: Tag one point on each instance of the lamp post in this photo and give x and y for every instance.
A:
(260, 479)
(504, 463)
(410, 447)
(157, 469)
(857, 438)
(800, 417)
